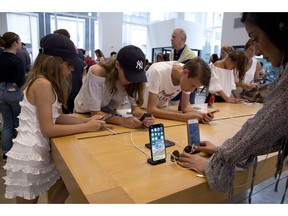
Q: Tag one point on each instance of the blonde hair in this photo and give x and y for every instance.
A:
(227, 49)
(49, 67)
(249, 43)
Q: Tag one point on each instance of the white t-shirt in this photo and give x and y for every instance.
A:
(159, 82)
(222, 79)
(94, 95)
(249, 75)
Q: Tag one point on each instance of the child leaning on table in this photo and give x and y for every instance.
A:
(30, 170)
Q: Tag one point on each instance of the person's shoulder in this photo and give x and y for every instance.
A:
(218, 64)
(160, 65)
(98, 70)
(42, 82)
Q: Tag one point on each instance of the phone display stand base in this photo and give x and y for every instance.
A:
(150, 161)
(168, 143)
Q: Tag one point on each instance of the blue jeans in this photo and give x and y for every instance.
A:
(10, 96)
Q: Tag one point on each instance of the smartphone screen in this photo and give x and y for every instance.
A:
(106, 117)
(193, 132)
(157, 141)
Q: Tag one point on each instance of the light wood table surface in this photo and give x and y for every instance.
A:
(110, 129)
(110, 169)
(227, 110)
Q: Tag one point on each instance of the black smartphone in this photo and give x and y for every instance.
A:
(147, 114)
(104, 118)
(193, 133)
(213, 112)
(157, 142)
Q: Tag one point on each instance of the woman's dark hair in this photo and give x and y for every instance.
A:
(63, 32)
(275, 25)
(8, 39)
(214, 58)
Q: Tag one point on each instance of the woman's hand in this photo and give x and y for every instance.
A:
(231, 100)
(241, 100)
(94, 124)
(148, 121)
(249, 86)
(192, 161)
(206, 147)
(131, 122)
(207, 117)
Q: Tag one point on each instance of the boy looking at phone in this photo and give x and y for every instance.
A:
(166, 79)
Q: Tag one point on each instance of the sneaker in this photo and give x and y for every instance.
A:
(4, 158)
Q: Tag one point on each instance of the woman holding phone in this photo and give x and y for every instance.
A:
(266, 132)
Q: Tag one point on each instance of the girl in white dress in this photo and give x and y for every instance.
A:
(30, 170)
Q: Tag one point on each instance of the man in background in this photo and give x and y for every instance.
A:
(181, 53)
(25, 57)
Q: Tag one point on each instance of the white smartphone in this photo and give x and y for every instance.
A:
(193, 132)
(157, 142)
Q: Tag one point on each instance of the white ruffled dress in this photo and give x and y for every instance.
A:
(30, 170)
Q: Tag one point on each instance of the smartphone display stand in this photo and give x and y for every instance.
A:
(149, 160)
(168, 143)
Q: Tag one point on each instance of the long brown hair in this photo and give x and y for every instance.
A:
(134, 90)
(240, 58)
(49, 67)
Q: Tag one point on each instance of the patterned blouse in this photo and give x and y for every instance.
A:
(258, 136)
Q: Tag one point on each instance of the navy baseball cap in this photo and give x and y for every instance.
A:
(132, 61)
(61, 46)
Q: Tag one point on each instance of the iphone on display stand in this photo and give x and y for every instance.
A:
(157, 142)
(193, 135)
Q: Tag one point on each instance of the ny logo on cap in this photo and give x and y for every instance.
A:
(139, 65)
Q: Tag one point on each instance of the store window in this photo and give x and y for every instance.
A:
(135, 29)
(28, 30)
(135, 35)
(75, 27)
